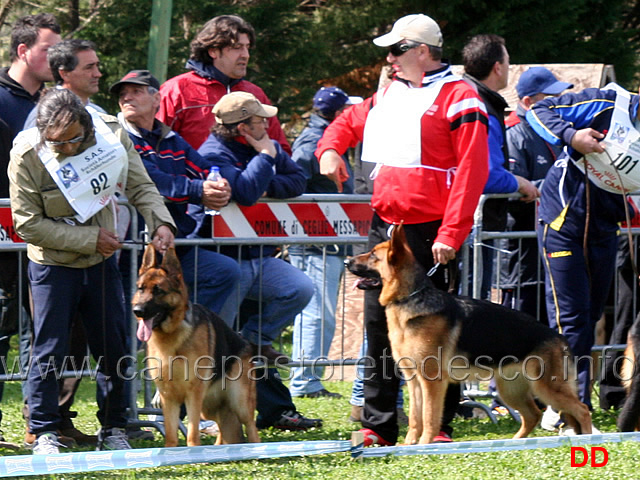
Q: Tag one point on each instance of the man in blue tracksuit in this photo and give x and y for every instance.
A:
(579, 214)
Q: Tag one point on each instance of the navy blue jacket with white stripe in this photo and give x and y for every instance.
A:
(556, 120)
(176, 168)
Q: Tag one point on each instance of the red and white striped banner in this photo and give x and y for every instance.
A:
(321, 219)
(7, 232)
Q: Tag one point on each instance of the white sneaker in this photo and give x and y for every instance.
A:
(47, 444)
(115, 439)
(550, 420)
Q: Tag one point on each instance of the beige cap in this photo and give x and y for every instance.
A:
(235, 107)
(417, 28)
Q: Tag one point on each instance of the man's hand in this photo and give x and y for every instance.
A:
(586, 141)
(107, 243)
(443, 253)
(163, 239)
(216, 195)
(264, 145)
(528, 190)
(332, 166)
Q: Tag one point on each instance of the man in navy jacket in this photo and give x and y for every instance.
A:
(180, 174)
(256, 166)
(577, 210)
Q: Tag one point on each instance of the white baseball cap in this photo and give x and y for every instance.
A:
(417, 28)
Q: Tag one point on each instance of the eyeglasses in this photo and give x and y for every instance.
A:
(74, 140)
(399, 49)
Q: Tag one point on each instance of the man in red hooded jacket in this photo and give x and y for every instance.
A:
(218, 63)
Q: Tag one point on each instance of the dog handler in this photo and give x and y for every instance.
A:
(427, 132)
(64, 175)
(579, 212)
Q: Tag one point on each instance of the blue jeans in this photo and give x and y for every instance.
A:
(213, 280)
(314, 327)
(283, 291)
(357, 391)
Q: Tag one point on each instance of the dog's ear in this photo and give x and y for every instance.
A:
(399, 249)
(171, 263)
(148, 259)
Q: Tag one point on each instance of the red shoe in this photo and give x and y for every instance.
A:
(372, 438)
(442, 437)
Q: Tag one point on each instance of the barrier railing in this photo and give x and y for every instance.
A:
(311, 219)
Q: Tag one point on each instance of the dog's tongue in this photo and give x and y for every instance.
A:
(144, 330)
(357, 283)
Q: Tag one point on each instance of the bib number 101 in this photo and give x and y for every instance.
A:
(625, 163)
(99, 183)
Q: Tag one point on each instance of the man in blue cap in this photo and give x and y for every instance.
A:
(313, 331)
(530, 157)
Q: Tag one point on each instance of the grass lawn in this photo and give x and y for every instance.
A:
(552, 463)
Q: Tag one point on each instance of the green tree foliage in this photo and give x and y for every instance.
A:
(303, 44)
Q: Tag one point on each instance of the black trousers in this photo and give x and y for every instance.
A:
(381, 383)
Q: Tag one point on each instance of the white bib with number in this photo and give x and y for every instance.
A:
(617, 169)
(90, 179)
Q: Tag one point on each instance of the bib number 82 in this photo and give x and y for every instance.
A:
(99, 183)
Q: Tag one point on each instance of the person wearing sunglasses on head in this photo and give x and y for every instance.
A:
(427, 133)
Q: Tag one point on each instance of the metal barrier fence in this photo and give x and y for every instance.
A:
(321, 220)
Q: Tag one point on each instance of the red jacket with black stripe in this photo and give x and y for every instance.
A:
(454, 134)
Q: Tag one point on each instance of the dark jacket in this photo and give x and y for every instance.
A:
(564, 185)
(303, 154)
(500, 180)
(252, 174)
(530, 157)
(15, 102)
(177, 170)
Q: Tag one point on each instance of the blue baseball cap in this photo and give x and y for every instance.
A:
(328, 100)
(540, 80)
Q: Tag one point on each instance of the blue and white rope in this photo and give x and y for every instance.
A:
(76, 462)
(11, 466)
(480, 446)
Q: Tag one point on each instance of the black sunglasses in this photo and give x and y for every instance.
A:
(398, 49)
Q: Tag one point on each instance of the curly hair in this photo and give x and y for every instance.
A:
(220, 32)
(226, 132)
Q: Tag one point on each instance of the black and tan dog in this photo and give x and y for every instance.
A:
(629, 419)
(193, 356)
(437, 338)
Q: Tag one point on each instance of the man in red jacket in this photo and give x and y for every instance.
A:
(427, 133)
(218, 63)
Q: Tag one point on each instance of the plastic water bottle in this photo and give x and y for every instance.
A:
(214, 176)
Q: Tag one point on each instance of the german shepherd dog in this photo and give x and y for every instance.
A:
(437, 338)
(629, 419)
(195, 358)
